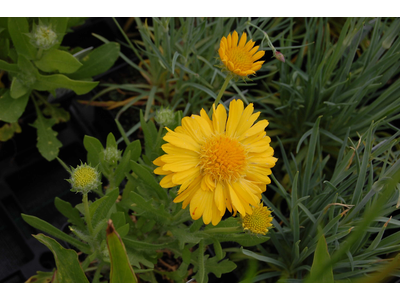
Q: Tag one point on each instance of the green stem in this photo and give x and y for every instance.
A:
(202, 270)
(87, 213)
(221, 92)
(265, 35)
(97, 274)
(225, 230)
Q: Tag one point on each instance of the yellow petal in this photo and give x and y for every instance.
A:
(243, 39)
(160, 171)
(198, 203)
(235, 112)
(236, 203)
(254, 50)
(219, 119)
(187, 175)
(235, 39)
(258, 55)
(255, 129)
(166, 182)
(219, 198)
(229, 41)
(182, 140)
(231, 66)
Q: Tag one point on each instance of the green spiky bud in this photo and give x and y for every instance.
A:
(165, 116)
(84, 179)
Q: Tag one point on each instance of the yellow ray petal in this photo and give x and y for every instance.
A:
(219, 119)
(235, 38)
(243, 39)
(235, 111)
(166, 182)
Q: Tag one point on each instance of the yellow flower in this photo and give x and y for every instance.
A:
(219, 164)
(240, 58)
(259, 221)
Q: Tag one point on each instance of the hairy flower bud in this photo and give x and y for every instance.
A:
(84, 179)
(112, 155)
(43, 37)
(165, 116)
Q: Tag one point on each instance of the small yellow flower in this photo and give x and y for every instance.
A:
(240, 57)
(259, 221)
(219, 164)
(84, 179)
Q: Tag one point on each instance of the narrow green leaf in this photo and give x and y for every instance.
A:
(121, 269)
(264, 258)
(58, 60)
(98, 61)
(11, 109)
(69, 269)
(47, 143)
(202, 88)
(321, 255)
(55, 232)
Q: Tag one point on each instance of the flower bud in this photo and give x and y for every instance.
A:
(259, 221)
(279, 56)
(84, 179)
(111, 155)
(43, 36)
(165, 116)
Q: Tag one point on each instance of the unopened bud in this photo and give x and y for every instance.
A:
(279, 56)
(165, 116)
(84, 179)
(112, 155)
(43, 37)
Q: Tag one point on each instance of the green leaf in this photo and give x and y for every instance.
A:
(121, 269)
(218, 268)
(7, 131)
(264, 258)
(17, 89)
(321, 255)
(41, 277)
(56, 112)
(93, 146)
(139, 245)
(146, 208)
(149, 179)
(47, 143)
(5, 48)
(103, 210)
(55, 81)
(55, 232)
(98, 61)
(12, 109)
(70, 212)
(69, 269)
(17, 27)
(11, 68)
(56, 60)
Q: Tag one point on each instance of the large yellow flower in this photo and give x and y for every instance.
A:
(219, 164)
(240, 58)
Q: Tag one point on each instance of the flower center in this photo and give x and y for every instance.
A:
(259, 221)
(84, 176)
(223, 158)
(240, 58)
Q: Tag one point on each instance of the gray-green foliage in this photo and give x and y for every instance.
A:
(339, 173)
(35, 62)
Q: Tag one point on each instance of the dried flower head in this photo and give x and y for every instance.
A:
(240, 58)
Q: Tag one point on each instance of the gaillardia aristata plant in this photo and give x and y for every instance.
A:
(219, 164)
(240, 58)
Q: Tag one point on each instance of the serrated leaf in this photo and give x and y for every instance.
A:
(56, 60)
(11, 109)
(218, 268)
(146, 208)
(69, 269)
(121, 269)
(98, 61)
(58, 113)
(41, 277)
(103, 211)
(7, 131)
(47, 143)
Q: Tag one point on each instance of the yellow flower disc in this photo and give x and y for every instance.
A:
(239, 57)
(259, 221)
(220, 164)
(84, 179)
